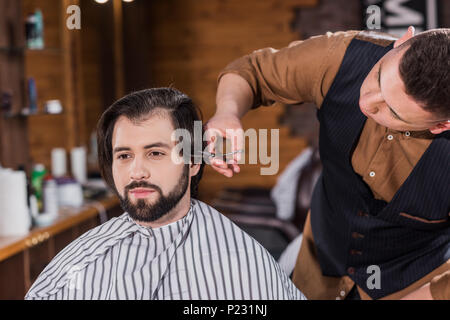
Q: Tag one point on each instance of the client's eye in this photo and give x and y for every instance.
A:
(156, 154)
(122, 156)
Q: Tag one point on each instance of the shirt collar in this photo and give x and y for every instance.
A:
(172, 229)
(423, 134)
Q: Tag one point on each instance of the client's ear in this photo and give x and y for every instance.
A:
(194, 169)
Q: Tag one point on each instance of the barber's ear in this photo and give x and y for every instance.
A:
(194, 169)
(440, 127)
(408, 35)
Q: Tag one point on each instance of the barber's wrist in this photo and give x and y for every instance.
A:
(230, 109)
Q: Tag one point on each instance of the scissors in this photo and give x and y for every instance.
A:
(222, 155)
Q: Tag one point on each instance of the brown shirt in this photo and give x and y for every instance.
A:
(304, 72)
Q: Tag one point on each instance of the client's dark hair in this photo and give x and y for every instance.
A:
(137, 107)
(424, 69)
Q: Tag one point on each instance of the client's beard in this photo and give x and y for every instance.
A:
(145, 212)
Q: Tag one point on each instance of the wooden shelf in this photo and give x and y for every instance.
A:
(68, 218)
(24, 115)
(58, 74)
(24, 50)
(44, 51)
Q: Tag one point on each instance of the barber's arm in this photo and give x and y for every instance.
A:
(437, 289)
(291, 75)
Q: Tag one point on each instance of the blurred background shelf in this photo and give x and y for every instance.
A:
(55, 70)
(25, 115)
(23, 50)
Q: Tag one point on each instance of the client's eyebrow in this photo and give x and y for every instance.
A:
(392, 110)
(149, 146)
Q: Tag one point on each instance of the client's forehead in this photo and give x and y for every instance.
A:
(157, 128)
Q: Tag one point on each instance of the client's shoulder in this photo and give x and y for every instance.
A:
(225, 232)
(77, 256)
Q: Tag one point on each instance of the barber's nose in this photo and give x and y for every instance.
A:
(139, 171)
(371, 102)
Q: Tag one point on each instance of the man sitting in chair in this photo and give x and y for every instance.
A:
(166, 245)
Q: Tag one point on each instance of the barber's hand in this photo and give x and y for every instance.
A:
(229, 127)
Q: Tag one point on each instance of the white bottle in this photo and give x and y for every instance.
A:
(50, 195)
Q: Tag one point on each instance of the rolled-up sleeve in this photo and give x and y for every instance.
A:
(300, 72)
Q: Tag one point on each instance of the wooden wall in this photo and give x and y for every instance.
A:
(186, 44)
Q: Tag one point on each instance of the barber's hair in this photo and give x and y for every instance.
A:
(138, 107)
(424, 69)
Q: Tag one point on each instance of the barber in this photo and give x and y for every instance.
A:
(379, 224)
